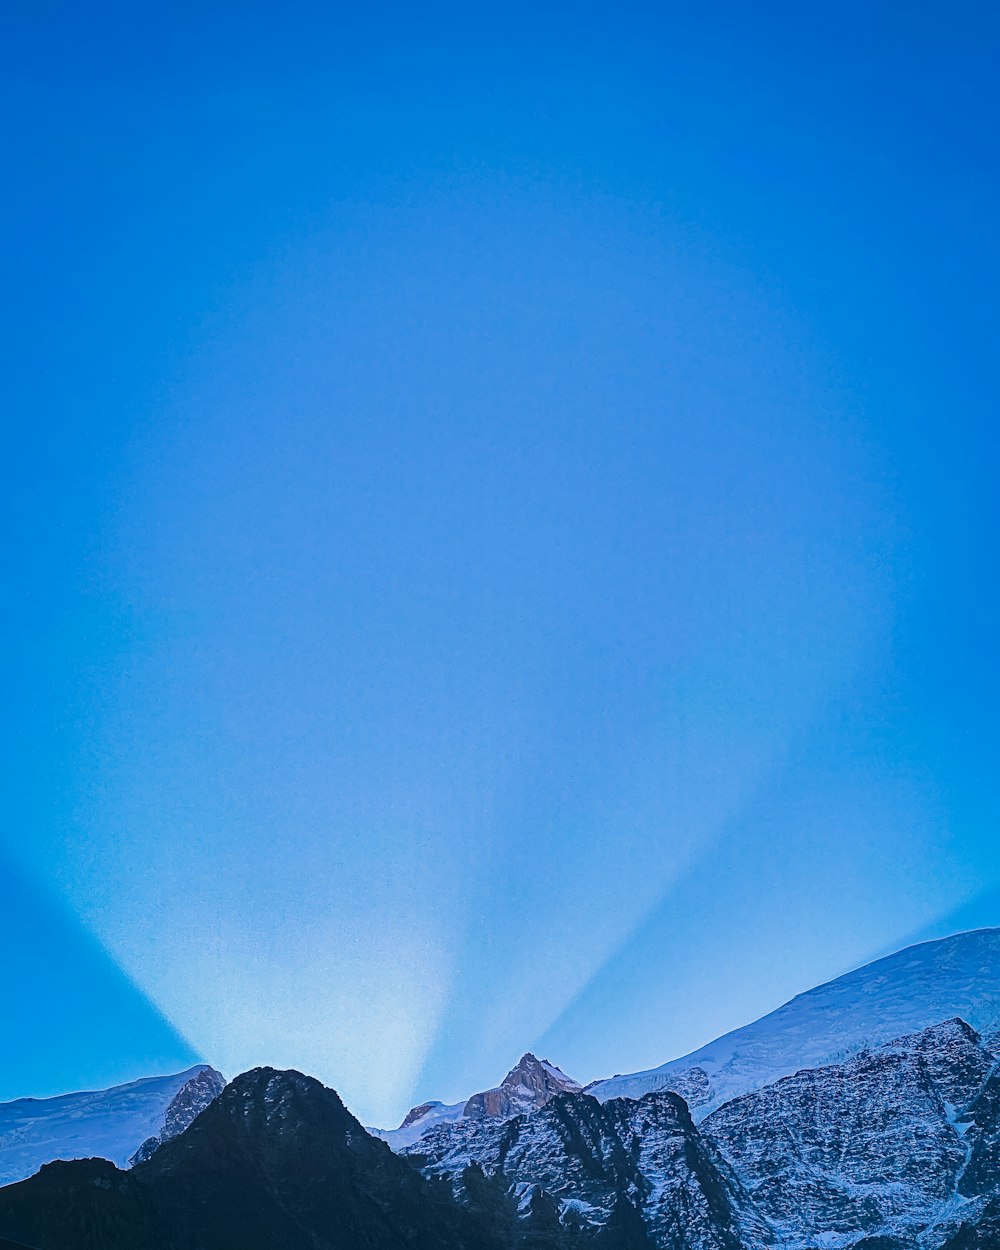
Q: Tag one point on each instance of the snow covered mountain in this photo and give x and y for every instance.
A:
(903, 993)
(897, 1148)
(110, 1124)
(882, 1146)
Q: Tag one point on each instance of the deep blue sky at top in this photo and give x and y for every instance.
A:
(502, 527)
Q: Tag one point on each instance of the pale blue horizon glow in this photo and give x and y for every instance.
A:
(503, 511)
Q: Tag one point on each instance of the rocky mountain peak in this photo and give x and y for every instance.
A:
(537, 1074)
(279, 1100)
(530, 1084)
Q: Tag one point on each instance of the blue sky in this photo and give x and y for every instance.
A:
(502, 518)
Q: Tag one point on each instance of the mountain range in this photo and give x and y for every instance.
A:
(902, 993)
(897, 1143)
(864, 1114)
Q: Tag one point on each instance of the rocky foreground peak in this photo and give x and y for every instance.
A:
(276, 1160)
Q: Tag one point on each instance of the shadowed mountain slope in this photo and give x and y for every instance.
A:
(275, 1163)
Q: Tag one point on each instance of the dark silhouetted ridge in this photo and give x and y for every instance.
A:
(276, 1162)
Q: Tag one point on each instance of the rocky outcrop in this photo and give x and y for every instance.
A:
(869, 1147)
(624, 1169)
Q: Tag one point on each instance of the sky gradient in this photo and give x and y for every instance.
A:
(502, 520)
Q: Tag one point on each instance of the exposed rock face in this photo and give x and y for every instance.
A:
(862, 1148)
(188, 1103)
(638, 1171)
(896, 1149)
(530, 1084)
(982, 1175)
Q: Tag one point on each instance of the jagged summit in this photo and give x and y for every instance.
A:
(530, 1084)
(186, 1105)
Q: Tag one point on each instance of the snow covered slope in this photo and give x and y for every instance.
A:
(418, 1121)
(903, 993)
(109, 1124)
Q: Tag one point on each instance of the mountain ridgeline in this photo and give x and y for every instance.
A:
(885, 1136)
